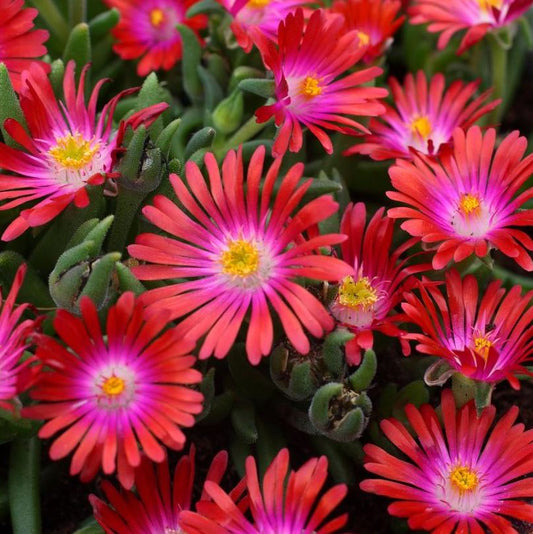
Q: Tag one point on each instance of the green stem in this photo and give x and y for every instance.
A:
(246, 132)
(77, 12)
(498, 58)
(128, 204)
(53, 17)
(23, 483)
(515, 279)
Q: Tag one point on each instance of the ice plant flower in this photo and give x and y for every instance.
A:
(363, 302)
(489, 339)
(310, 87)
(110, 396)
(15, 375)
(471, 200)
(67, 148)
(477, 17)
(456, 476)
(374, 21)
(236, 253)
(20, 43)
(158, 503)
(275, 508)
(423, 117)
(147, 30)
(263, 15)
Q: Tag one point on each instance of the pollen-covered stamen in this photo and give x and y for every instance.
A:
(157, 17)
(482, 346)
(464, 479)
(364, 38)
(311, 86)
(113, 385)
(257, 4)
(469, 204)
(73, 151)
(357, 294)
(421, 126)
(241, 258)
(486, 5)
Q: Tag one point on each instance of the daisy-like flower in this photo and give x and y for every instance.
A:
(423, 117)
(147, 30)
(263, 15)
(238, 254)
(15, 376)
(20, 43)
(374, 21)
(108, 395)
(158, 503)
(309, 89)
(477, 17)
(458, 475)
(275, 508)
(364, 302)
(66, 149)
(471, 200)
(488, 340)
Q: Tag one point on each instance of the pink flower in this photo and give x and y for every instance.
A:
(108, 395)
(469, 202)
(456, 475)
(307, 64)
(237, 253)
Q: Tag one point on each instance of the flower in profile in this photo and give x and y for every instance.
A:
(109, 394)
(489, 340)
(477, 17)
(423, 117)
(309, 89)
(20, 43)
(294, 508)
(147, 30)
(158, 503)
(67, 147)
(236, 253)
(374, 21)
(364, 302)
(458, 475)
(264, 15)
(471, 200)
(15, 375)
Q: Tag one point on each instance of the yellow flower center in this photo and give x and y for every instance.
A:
(469, 204)
(486, 5)
(364, 38)
(310, 86)
(240, 259)
(464, 478)
(113, 385)
(358, 294)
(421, 126)
(257, 4)
(482, 346)
(73, 151)
(157, 16)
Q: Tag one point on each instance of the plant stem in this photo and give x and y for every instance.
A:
(246, 132)
(498, 57)
(53, 17)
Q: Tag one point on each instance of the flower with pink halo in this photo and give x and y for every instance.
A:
(423, 117)
(108, 397)
(456, 474)
(237, 253)
(477, 17)
(294, 508)
(313, 86)
(470, 201)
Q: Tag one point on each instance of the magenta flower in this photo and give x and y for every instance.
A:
(457, 475)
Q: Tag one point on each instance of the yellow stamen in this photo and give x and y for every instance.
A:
(240, 259)
(157, 16)
(73, 151)
(421, 126)
(469, 204)
(482, 346)
(364, 38)
(486, 5)
(357, 295)
(310, 86)
(257, 4)
(464, 478)
(113, 385)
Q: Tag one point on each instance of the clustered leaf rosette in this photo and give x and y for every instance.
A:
(308, 62)
(67, 147)
(286, 501)
(374, 21)
(109, 397)
(424, 115)
(488, 340)
(469, 201)
(456, 474)
(363, 302)
(157, 504)
(147, 30)
(20, 43)
(237, 252)
(477, 17)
